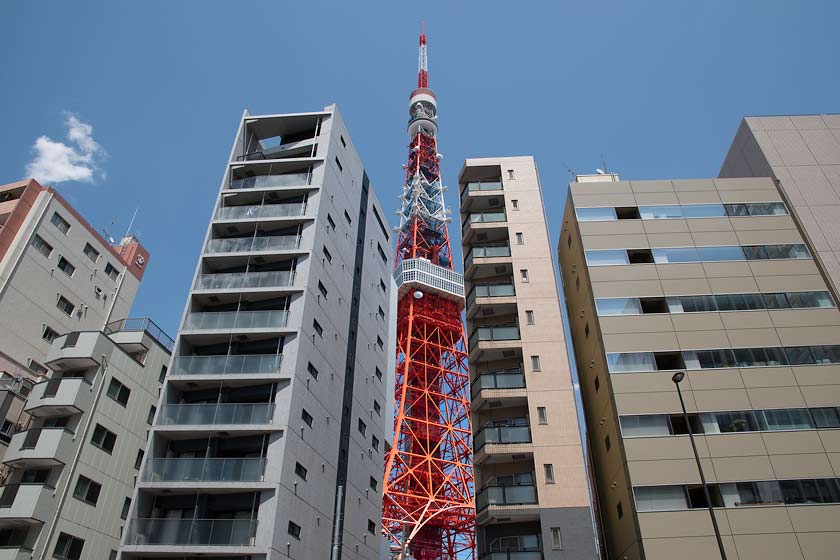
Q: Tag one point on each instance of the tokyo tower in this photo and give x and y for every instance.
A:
(428, 502)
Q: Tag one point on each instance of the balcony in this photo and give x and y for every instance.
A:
(15, 552)
(26, 504)
(268, 181)
(503, 444)
(492, 299)
(236, 320)
(40, 447)
(272, 243)
(499, 388)
(235, 364)
(420, 274)
(495, 496)
(487, 252)
(142, 324)
(524, 554)
(60, 396)
(479, 186)
(216, 414)
(191, 532)
(185, 470)
(491, 218)
(257, 211)
(494, 334)
(245, 280)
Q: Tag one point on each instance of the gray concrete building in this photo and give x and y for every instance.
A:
(802, 153)
(273, 421)
(714, 278)
(532, 499)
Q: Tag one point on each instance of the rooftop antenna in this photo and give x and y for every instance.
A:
(107, 232)
(569, 170)
(131, 223)
(604, 163)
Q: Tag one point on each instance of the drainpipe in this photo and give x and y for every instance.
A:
(72, 470)
(336, 548)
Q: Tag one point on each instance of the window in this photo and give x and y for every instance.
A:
(577, 283)
(66, 267)
(619, 510)
(380, 342)
(630, 362)
(68, 547)
(313, 371)
(151, 416)
(306, 417)
(382, 254)
(318, 328)
(111, 271)
(322, 289)
(586, 330)
(523, 274)
(338, 164)
(607, 442)
(103, 438)
(125, 508)
(535, 363)
(520, 238)
(529, 316)
(373, 483)
(327, 254)
(36, 367)
(162, 374)
(87, 490)
(377, 408)
(113, 555)
(510, 173)
(371, 527)
(549, 473)
(595, 214)
(660, 498)
(381, 313)
(347, 217)
(556, 541)
(118, 391)
(379, 374)
(542, 415)
(514, 204)
(91, 253)
(294, 530)
(618, 306)
(330, 222)
(139, 459)
(343, 143)
(59, 222)
(65, 305)
(606, 257)
(382, 286)
(374, 442)
(300, 470)
(362, 427)
(49, 334)
(597, 383)
(42, 246)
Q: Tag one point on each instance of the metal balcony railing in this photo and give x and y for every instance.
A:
(240, 280)
(270, 181)
(517, 432)
(484, 186)
(258, 243)
(237, 320)
(141, 324)
(237, 364)
(493, 251)
(487, 217)
(254, 211)
(491, 291)
(204, 470)
(522, 494)
(212, 413)
(504, 379)
(494, 334)
(192, 532)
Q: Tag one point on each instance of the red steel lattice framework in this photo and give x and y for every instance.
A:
(428, 504)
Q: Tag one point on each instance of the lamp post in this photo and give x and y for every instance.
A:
(677, 378)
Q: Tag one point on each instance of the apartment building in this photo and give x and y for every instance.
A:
(274, 415)
(532, 500)
(711, 277)
(802, 153)
(71, 468)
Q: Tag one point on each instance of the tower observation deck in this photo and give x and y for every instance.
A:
(429, 506)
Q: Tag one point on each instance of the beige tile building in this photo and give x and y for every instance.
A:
(711, 277)
(532, 499)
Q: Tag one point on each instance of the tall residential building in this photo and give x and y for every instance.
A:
(802, 153)
(713, 278)
(72, 464)
(532, 500)
(274, 414)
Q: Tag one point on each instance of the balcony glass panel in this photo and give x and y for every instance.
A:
(487, 217)
(494, 290)
(225, 413)
(269, 181)
(192, 532)
(485, 186)
(237, 280)
(496, 333)
(513, 555)
(508, 379)
(237, 320)
(204, 470)
(141, 324)
(261, 211)
(227, 365)
(502, 434)
(260, 243)
(505, 495)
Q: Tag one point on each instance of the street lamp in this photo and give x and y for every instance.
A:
(677, 378)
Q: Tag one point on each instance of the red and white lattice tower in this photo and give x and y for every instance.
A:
(428, 503)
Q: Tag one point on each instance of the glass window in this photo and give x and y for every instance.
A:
(91, 253)
(595, 214)
(645, 425)
(59, 222)
(660, 498)
(776, 301)
(42, 246)
(720, 253)
(607, 257)
(758, 357)
(675, 255)
(739, 302)
(826, 354)
(827, 417)
(730, 422)
(788, 419)
(708, 359)
(799, 355)
(618, 306)
(691, 304)
(736, 209)
(630, 362)
(810, 299)
(780, 252)
(660, 212)
(756, 252)
(703, 211)
(767, 209)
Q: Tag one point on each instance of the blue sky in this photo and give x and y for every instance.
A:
(657, 88)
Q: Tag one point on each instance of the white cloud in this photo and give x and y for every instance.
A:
(57, 162)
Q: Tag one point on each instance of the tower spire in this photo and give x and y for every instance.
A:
(422, 63)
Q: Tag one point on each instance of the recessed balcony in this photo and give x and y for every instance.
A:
(245, 280)
(253, 244)
(498, 298)
(259, 211)
(499, 388)
(262, 175)
(191, 532)
(471, 192)
(503, 443)
(189, 471)
(511, 503)
(212, 414)
(40, 447)
(227, 365)
(60, 396)
(26, 504)
(483, 220)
